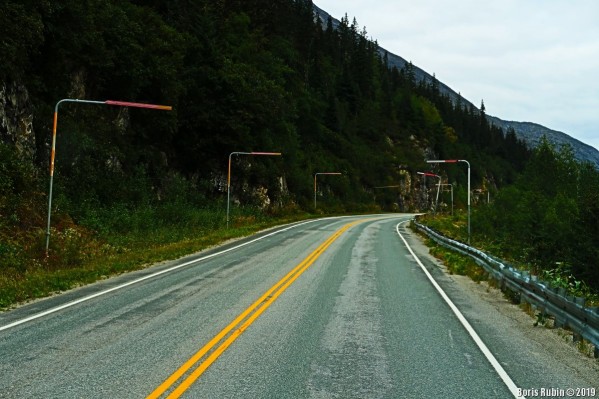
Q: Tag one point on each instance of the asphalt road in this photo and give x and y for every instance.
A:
(357, 317)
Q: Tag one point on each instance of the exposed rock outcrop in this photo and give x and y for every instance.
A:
(16, 119)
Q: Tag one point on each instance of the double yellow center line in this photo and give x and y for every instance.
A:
(230, 333)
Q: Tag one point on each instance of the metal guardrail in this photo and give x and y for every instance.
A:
(567, 311)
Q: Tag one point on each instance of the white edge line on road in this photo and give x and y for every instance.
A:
(139, 280)
(496, 365)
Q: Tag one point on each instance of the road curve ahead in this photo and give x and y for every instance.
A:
(331, 308)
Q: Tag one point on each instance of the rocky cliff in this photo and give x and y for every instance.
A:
(16, 119)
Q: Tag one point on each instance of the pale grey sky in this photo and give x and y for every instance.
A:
(529, 60)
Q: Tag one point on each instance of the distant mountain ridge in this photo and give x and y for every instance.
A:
(529, 132)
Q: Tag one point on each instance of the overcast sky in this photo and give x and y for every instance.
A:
(529, 60)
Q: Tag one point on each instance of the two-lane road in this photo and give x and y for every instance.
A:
(332, 308)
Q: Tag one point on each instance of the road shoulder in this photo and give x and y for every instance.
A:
(509, 331)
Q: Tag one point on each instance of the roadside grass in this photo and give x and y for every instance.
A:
(456, 263)
(558, 276)
(456, 228)
(114, 241)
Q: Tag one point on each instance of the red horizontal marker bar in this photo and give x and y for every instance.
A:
(138, 105)
(443, 161)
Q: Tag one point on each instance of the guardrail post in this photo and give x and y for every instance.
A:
(558, 323)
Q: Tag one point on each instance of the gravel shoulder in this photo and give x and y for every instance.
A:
(540, 353)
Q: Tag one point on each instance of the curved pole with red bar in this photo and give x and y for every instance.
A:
(467, 163)
(53, 151)
(438, 187)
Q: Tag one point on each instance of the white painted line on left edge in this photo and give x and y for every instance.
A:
(139, 280)
(479, 342)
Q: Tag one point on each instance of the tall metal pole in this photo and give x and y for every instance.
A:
(451, 189)
(315, 174)
(321, 173)
(467, 163)
(437, 199)
(229, 186)
(53, 152)
(424, 174)
(229, 174)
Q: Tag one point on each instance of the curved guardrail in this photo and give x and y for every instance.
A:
(567, 311)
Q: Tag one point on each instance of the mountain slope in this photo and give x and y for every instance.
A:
(529, 132)
(532, 133)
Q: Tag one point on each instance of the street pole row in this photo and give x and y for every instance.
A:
(434, 161)
(253, 153)
(53, 152)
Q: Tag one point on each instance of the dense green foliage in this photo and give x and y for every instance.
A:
(241, 75)
(249, 75)
(546, 222)
(549, 218)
